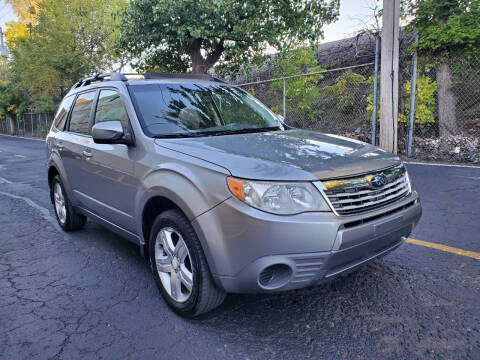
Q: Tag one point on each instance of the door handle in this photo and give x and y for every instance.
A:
(87, 154)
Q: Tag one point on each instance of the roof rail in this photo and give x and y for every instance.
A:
(113, 76)
(155, 75)
(116, 76)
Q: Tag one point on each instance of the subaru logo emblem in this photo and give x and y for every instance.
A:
(378, 181)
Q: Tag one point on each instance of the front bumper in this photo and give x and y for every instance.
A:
(251, 251)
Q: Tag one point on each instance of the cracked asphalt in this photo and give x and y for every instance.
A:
(89, 294)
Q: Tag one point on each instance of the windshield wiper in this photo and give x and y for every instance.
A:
(216, 132)
(239, 131)
(177, 135)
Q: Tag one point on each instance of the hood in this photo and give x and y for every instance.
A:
(285, 155)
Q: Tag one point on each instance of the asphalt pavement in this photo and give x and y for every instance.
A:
(90, 295)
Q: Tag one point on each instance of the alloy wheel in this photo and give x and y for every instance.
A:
(174, 264)
(59, 200)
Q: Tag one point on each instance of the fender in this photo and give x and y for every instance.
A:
(204, 187)
(55, 161)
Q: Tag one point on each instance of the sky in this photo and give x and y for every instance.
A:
(6, 14)
(352, 15)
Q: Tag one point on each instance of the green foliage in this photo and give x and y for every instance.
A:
(445, 25)
(346, 90)
(12, 100)
(72, 38)
(178, 35)
(66, 40)
(302, 91)
(424, 101)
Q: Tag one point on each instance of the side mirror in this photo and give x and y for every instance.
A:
(110, 132)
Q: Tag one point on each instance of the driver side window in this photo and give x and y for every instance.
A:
(110, 107)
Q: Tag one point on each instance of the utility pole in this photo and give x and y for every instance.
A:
(3, 48)
(389, 76)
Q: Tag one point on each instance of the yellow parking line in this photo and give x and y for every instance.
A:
(21, 156)
(471, 254)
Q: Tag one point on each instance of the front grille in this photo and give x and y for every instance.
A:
(356, 195)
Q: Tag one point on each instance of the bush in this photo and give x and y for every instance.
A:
(346, 90)
(424, 101)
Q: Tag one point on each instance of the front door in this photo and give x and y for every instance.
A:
(109, 168)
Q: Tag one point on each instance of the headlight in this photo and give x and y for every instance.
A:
(278, 197)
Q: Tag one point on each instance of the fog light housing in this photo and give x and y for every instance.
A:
(275, 276)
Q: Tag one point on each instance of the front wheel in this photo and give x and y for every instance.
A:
(180, 267)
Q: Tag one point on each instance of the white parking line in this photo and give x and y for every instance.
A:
(43, 211)
(3, 180)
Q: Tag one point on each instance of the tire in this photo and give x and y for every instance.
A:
(67, 217)
(196, 294)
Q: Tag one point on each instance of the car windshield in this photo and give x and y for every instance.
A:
(199, 110)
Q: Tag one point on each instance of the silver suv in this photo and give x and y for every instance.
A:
(218, 193)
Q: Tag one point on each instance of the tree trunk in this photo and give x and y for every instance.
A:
(201, 65)
(198, 66)
(10, 126)
(446, 100)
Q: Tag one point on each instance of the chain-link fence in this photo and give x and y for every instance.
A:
(337, 101)
(444, 124)
(447, 109)
(31, 125)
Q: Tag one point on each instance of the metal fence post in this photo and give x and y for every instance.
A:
(284, 100)
(46, 124)
(375, 90)
(411, 118)
(31, 124)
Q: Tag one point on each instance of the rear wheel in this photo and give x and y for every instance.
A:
(66, 216)
(179, 266)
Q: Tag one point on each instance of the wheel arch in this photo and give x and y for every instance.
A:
(55, 167)
(166, 189)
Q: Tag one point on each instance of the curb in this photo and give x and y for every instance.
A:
(437, 164)
(23, 137)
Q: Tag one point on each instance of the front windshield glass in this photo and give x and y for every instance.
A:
(193, 110)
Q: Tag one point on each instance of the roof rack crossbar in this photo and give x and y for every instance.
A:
(155, 75)
(114, 76)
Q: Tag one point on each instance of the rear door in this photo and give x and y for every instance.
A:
(75, 140)
(55, 142)
(109, 168)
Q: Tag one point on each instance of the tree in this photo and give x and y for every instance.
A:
(26, 11)
(175, 35)
(445, 27)
(68, 40)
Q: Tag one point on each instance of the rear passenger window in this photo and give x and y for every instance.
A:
(80, 119)
(62, 112)
(110, 107)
